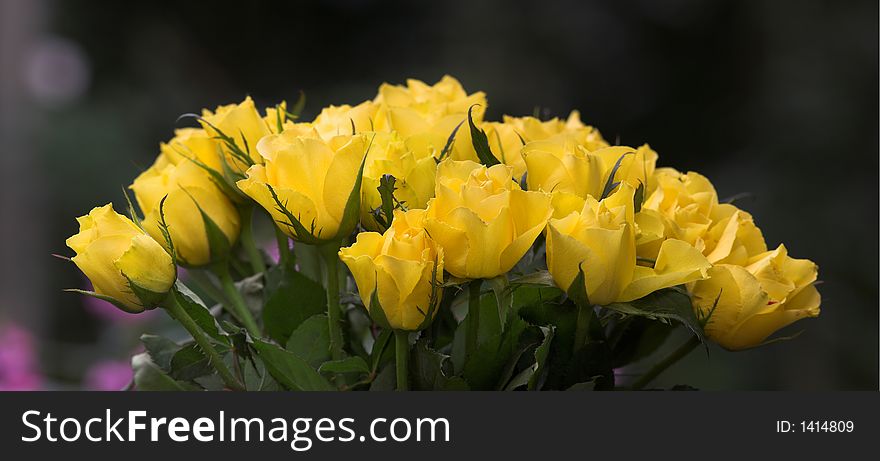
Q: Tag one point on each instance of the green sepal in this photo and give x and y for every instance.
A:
(379, 347)
(219, 245)
(609, 183)
(242, 155)
(119, 304)
(298, 106)
(149, 299)
(433, 300)
(639, 197)
(481, 142)
(300, 233)
(224, 180)
(131, 212)
(577, 291)
(166, 234)
(384, 215)
(376, 312)
(352, 213)
(350, 216)
(450, 141)
(280, 116)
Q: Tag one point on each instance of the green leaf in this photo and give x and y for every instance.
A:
(346, 365)
(490, 327)
(564, 367)
(197, 310)
(432, 371)
(258, 378)
(386, 380)
(379, 349)
(289, 370)
(542, 356)
(149, 377)
(189, 363)
(633, 338)
(522, 378)
(161, 350)
(311, 341)
(492, 364)
(295, 299)
(668, 304)
(481, 142)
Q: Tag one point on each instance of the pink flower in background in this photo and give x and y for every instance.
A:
(109, 375)
(18, 360)
(273, 252)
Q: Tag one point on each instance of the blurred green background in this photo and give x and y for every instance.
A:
(778, 99)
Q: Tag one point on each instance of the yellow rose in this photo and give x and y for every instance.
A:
(192, 144)
(243, 124)
(506, 144)
(686, 203)
(313, 180)
(126, 266)
(636, 165)
(419, 109)
(600, 239)
(561, 164)
(194, 209)
(431, 102)
(481, 218)
(277, 115)
(533, 129)
(412, 165)
(733, 237)
(402, 266)
(754, 301)
(339, 120)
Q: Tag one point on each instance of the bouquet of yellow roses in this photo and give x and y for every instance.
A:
(420, 246)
